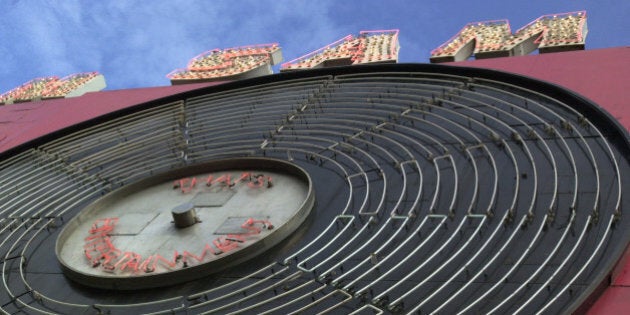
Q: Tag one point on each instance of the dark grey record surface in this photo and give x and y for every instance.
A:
(437, 189)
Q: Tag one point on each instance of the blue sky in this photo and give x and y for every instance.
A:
(136, 43)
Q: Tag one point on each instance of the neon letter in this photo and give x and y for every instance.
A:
(369, 47)
(232, 63)
(548, 33)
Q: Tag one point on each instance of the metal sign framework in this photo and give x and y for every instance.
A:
(425, 177)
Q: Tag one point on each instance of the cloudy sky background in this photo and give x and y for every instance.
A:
(136, 43)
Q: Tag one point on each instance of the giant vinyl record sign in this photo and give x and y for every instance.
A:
(364, 189)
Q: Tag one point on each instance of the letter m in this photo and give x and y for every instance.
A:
(490, 39)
